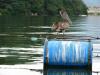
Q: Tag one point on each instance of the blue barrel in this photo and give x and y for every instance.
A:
(67, 53)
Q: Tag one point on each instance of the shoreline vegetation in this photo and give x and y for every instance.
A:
(42, 7)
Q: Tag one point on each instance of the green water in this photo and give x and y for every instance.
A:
(20, 37)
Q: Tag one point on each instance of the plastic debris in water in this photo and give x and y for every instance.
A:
(34, 38)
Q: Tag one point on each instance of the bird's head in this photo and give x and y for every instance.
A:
(61, 11)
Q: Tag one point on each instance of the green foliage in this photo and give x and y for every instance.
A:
(41, 7)
(37, 6)
(53, 6)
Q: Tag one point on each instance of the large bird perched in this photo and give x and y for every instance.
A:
(61, 26)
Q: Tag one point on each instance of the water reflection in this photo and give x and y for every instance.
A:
(17, 55)
(66, 72)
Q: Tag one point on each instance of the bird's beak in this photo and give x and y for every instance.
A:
(65, 16)
(70, 22)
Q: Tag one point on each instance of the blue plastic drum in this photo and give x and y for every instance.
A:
(67, 53)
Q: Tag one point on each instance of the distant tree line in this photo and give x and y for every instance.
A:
(41, 7)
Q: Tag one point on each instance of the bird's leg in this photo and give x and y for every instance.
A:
(63, 32)
(57, 34)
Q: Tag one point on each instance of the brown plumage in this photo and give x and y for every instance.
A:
(62, 25)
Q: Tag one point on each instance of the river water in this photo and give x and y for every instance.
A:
(22, 40)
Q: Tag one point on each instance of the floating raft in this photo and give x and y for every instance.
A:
(67, 53)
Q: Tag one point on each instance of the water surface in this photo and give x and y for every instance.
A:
(22, 39)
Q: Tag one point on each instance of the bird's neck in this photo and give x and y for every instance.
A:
(65, 20)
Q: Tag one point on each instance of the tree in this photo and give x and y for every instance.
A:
(41, 7)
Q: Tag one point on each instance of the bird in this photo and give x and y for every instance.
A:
(61, 26)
